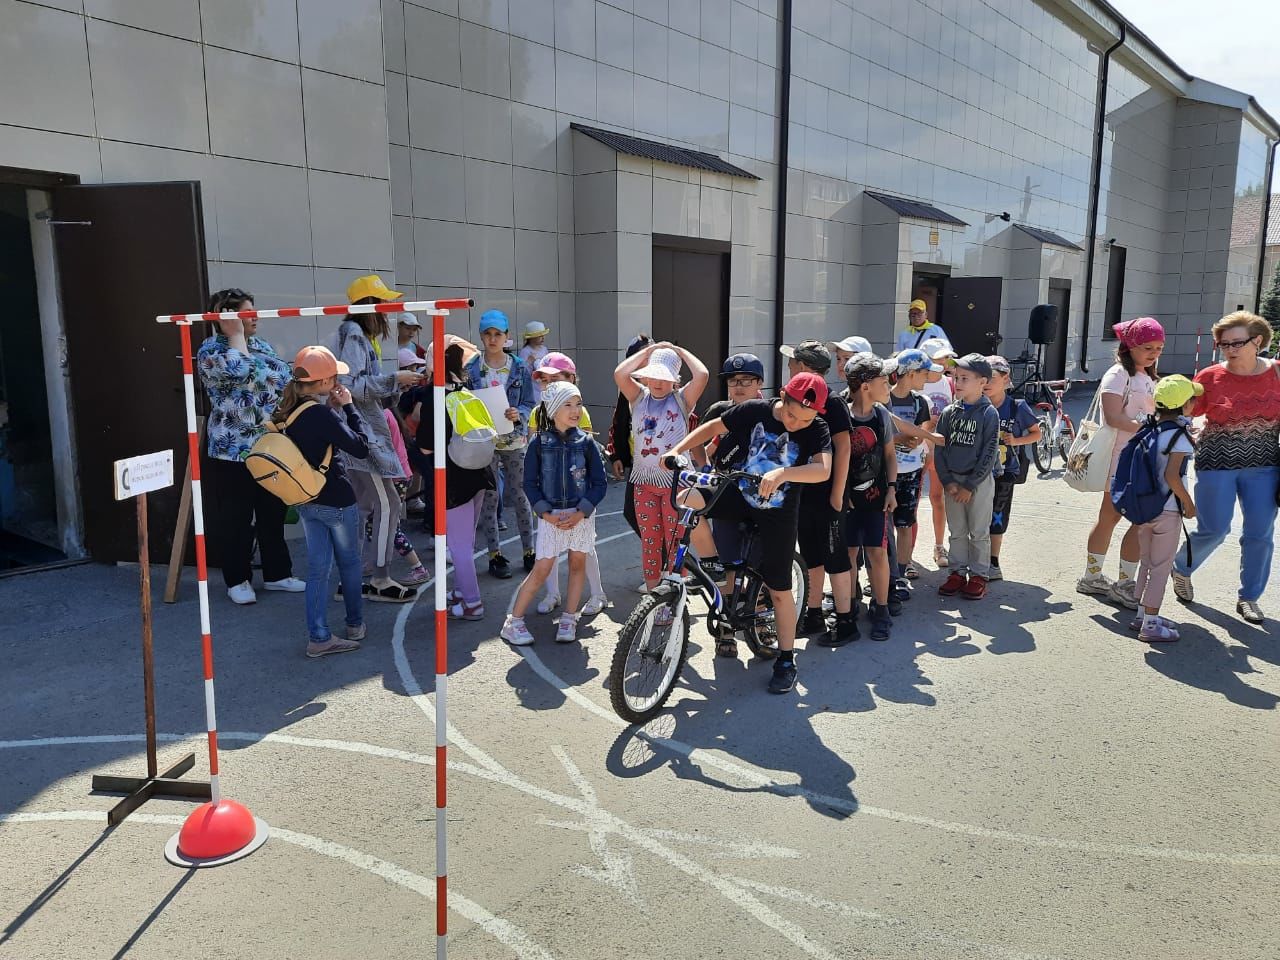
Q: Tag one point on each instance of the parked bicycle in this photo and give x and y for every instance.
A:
(1057, 431)
(654, 642)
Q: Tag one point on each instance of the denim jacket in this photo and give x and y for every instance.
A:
(519, 389)
(563, 472)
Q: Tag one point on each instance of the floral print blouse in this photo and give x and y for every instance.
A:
(243, 390)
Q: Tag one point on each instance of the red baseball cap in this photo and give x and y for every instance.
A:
(808, 390)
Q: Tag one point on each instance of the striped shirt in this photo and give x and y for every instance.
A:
(1242, 419)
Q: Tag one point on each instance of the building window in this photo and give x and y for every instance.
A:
(1115, 292)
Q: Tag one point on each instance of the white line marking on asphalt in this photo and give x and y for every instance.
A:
(617, 871)
(502, 930)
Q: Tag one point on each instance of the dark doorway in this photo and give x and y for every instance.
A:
(691, 302)
(1055, 354)
(972, 311)
(126, 253)
(29, 531)
(1115, 291)
(931, 288)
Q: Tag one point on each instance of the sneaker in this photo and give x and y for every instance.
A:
(1095, 584)
(567, 631)
(595, 605)
(548, 603)
(975, 589)
(287, 585)
(714, 569)
(530, 558)
(1125, 593)
(416, 576)
(844, 631)
(953, 584)
(515, 632)
(466, 611)
(784, 676)
(322, 648)
(1182, 588)
(503, 526)
(499, 566)
(357, 633)
(940, 558)
(881, 622)
(242, 593)
(995, 573)
(1250, 610)
(811, 622)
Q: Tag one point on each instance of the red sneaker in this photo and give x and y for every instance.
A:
(975, 589)
(953, 585)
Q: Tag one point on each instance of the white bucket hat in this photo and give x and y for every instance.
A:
(535, 328)
(664, 364)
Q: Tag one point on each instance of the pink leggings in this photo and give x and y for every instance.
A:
(1158, 541)
(657, 520)
(460, 535)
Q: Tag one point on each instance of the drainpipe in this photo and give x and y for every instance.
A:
(1095, 188)
(1266, 217)
(780, 213)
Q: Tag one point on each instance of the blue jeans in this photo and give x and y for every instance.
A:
(1216, 494)
(332, 533)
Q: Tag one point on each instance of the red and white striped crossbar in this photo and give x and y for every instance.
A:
(339, 310)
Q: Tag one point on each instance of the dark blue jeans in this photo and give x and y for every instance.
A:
(333, 535)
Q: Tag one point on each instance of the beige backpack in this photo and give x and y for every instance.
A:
(279, 467)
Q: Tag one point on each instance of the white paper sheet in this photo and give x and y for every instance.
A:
(495, 398)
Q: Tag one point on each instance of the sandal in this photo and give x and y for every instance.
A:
(911, 573)
(391, 593)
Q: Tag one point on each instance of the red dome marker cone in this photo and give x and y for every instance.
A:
(214, 834)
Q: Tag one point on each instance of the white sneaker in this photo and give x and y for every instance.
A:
(940, 558)
(1125, 593)
(1182, 588)
(515, 632)
(288, 585)
(1095, 585)
(242, 593)
(595, 605)
(548, 603)
(567, 632)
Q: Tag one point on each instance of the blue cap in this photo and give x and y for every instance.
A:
(909, 360)
(747, 364)
(494, 320)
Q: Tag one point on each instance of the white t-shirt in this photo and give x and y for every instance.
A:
(1181, 445)
(1141, 389)
(940, 394)
(909, 339)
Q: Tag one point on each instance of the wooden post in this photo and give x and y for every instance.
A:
(178, 553)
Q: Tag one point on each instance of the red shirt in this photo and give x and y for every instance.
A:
(1242, 419)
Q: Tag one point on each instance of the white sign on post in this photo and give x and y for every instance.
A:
(137, 475)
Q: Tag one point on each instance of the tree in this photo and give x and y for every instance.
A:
(1270, 308)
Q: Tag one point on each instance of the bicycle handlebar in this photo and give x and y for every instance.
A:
(719, 482)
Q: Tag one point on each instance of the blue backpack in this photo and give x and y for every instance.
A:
(1138, 489)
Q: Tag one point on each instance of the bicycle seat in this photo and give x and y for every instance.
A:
(1055, 384)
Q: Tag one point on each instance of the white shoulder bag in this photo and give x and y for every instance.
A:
(1089, 457)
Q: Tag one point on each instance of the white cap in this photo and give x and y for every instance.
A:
(854, 345)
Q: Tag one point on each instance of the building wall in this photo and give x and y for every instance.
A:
(276, 106)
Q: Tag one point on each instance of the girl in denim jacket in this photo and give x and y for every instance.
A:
(564, 480)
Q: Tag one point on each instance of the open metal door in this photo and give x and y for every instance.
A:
(972, 313)
(126, 253)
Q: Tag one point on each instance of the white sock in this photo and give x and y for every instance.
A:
(1128, 569)
(1149, 618)
(1093, 564)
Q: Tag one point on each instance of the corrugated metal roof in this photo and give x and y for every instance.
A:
(1047, 236)
(663, 152)
(915, 208)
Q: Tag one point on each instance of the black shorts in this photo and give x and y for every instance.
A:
(867, 528)
(821, 535)
(775, 540)
(1002, 504)
(908, 488)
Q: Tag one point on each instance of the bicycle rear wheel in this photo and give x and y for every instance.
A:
(1042, 449)
(759, 623)
(651, 651)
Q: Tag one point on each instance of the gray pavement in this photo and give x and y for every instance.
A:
(1013, 778)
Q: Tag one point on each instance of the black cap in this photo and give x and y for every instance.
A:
(975, 362)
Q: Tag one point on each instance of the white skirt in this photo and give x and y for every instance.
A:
(552, 541)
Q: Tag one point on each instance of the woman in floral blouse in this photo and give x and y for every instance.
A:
(243, 378)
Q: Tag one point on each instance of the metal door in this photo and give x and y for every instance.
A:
(972, 313)
(691, 308)
(126, 253)
(1055, 354)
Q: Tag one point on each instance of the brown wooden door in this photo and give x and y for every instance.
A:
(126, 253)
(972, 313)
(691, 308)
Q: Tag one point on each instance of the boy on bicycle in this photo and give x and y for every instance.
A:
(784, 443)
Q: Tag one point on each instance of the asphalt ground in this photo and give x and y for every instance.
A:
(1012, 778)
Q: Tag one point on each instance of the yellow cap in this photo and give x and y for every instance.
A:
(1173, 391)
(918, 305)
(370, 286)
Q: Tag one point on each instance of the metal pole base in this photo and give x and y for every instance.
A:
(142, 789)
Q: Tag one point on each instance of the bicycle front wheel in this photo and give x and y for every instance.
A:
(651, 651)
(1042, 449)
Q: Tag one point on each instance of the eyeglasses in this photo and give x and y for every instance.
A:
(743, 383)
(1233, 344)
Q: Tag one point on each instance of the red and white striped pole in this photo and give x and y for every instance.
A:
(442, 636)
(222, 830)
(1199, 334)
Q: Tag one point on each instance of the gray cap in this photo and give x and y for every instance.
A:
(975, 362)
(864, 367)
(812, 353)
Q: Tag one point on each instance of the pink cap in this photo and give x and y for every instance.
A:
(554, 363)
(1134, 333)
